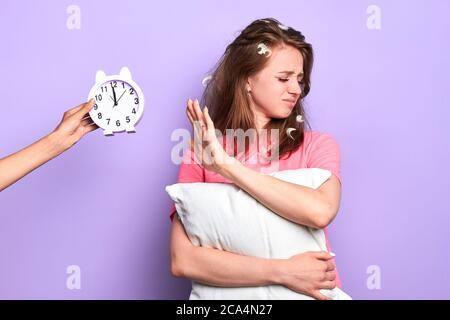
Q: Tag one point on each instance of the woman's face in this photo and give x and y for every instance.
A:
(275, 90)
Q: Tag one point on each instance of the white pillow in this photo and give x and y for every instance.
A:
(222, 216)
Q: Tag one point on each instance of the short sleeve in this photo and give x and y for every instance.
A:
(325, 154)
(190, 171)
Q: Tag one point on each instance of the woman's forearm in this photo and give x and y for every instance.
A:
(74, 125)
(219, 268)
(19, 164)
(304, 273)
(225, 269)
(296, 203)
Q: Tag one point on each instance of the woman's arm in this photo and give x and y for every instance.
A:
(19, 164)
(305, 273)
(217, 267)
(306, 206)
(68, 132)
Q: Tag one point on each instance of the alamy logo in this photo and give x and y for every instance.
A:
(74, 279)
(257, 153)
(374, 279)
(74, 19)
(374, 20)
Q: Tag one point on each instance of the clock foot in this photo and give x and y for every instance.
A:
(108, 133)
(130, 130)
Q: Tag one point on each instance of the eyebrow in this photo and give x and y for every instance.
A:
(292, 72)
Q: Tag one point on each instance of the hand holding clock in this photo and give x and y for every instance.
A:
(75, 123)
(73, 126)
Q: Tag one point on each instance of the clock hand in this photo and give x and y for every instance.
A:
(121, 95)
(114, 103)
(114, 92)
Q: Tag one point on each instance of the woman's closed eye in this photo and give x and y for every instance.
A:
(285, 80)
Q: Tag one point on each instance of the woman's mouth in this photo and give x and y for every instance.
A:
(290, 102)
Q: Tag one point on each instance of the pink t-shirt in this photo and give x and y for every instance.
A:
(319, 150)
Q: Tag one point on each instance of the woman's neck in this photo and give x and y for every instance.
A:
(261, 121)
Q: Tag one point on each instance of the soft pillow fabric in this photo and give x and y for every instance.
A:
(224, 217)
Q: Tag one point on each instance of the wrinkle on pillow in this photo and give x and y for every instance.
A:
(224, 217)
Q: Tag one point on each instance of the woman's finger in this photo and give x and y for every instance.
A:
(86, 117)
(198, 112)
(198, 136)
(197, 145)
(330, 275)
(197, 128)
(319, 296)
(322, 255)
(328, 285)
(90, 127)
(191, 120)
(188, 106)
(330, 265)
(192, 117)
(74, 109)
(191, 110)
(199, 123)
(189, 115)
(209, 122)
(81, 113)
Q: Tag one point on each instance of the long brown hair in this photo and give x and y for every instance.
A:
(226, 95)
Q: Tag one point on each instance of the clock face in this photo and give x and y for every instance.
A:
(116, 106)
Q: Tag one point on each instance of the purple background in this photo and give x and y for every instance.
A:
(383, 94)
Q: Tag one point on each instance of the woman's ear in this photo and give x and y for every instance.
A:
(248, 86)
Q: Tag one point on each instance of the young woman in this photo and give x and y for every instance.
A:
(74, 125)
(260, 84)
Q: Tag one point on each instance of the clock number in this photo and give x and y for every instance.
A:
(106, 89)
(131, 91)
(114, 84)
(128, 119)
(134, 111)
(98, 97)
(123, 85)
(118, 123)
(99, 115)
(95, 106)
(108, 120)
(136, 100)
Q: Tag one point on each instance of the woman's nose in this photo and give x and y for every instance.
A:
(295, 88)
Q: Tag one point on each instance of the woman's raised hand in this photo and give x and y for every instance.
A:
(207, 148)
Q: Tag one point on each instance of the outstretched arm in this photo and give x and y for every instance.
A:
(73, 126)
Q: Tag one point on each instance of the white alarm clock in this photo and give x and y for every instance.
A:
(119, 102)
